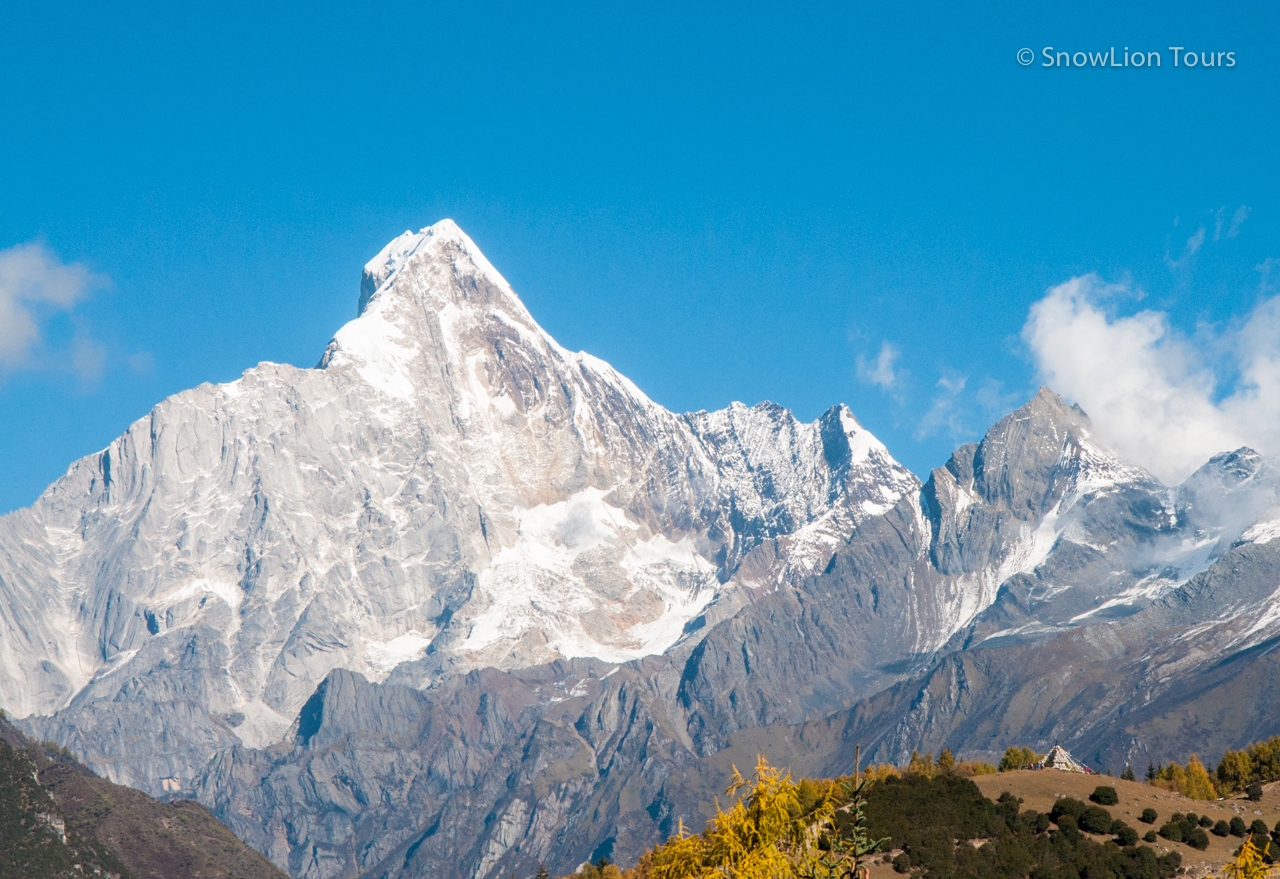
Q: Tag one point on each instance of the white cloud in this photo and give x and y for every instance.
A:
(1193, 245)
(882, 371)
(34, 284)
(1161, 398)
(1241, 214)
(1265, 269)
(945, 412)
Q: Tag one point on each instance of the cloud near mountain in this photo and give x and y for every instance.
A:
(1162, 398)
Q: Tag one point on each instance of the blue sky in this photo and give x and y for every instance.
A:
(843, 202)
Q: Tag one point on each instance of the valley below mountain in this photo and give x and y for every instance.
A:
(458, 602)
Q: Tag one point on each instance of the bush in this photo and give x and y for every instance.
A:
(1172, 831)
(1126, 835)
(1066, 806)
(1222, 828)
(1260, 843)
(1095, 820)
(1254, 792)
(902, 863)
(1258, 827)
(1068, 827)
(1148, 816)
(1149, 836)
(1237, 827)
(1206, 821)
(1198, 839)
(1104, 795)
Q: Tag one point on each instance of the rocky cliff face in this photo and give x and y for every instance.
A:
(457, 601)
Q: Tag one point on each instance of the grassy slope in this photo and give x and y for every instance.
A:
(1038, 790)
(32, 842)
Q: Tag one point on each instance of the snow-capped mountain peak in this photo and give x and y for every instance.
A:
(443, 242)
(449, 489)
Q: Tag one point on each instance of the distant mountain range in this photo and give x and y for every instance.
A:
(458, 601)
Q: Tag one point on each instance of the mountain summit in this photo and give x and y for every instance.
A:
(449, 489)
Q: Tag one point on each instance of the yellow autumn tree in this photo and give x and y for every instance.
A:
(1196, 782)
(1249, 864)
(1016, 757)
(766, 835)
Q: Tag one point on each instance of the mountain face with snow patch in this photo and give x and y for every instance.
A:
(458, 601)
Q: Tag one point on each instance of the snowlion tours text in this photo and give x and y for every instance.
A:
(1175, 56)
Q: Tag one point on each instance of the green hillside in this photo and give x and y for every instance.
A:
(60, 820)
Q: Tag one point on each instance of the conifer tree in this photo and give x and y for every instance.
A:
(946, 762)
(1196, 782)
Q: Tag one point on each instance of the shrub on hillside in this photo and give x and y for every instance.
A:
(1254, 792)
(1185, 828)
(1066, 806)
(1126, 835)
(1222, 828)
(1237, 827)
(1259, 827)
(1206, 821)
(1149, 836)
(1095, 820)
(1148, 816)
(1104, 795)
(1269, 855)
(1069, 829)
